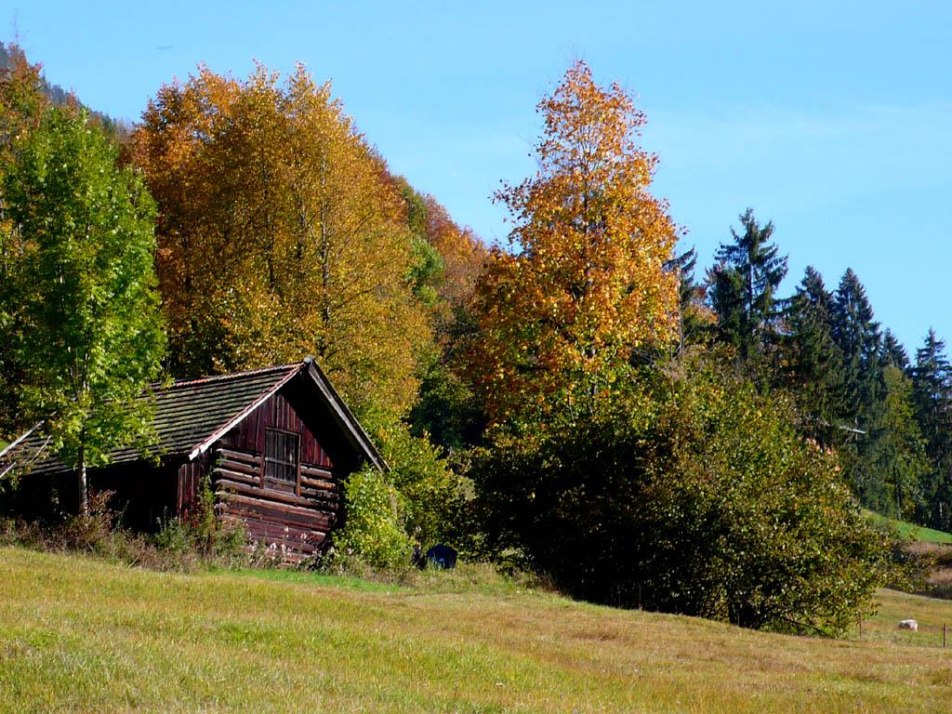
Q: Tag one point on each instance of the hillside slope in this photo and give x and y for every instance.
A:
(76, 633)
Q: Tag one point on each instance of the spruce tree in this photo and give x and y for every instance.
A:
(893, 353)
(814, 371)
(743, 288)
(694, 315)
(858, 337)
(897, 456)
(932, 394)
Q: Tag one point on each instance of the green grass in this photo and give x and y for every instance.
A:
(913, 531)
(78, 634)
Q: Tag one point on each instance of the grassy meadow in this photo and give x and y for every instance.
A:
(914, 532)
(80, 634)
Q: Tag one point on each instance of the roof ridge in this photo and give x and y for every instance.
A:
(226, 377)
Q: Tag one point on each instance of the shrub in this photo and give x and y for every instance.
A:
(432, 495)
(201, 532)
(181, 544)
(373, 532)
(692, 493)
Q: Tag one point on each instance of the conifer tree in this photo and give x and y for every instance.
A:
(893, 353)
(897, 451)
(695, 315)
(932, 390)
(857, 335)
(814, 371)
(743, 289)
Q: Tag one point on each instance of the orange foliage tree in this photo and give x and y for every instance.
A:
(279, 236)
(22, 104)
(584, 282)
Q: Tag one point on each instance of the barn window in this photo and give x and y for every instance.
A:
(281, 455)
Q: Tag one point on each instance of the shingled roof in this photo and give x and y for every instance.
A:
(191, 414)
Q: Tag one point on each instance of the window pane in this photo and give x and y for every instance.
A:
(280, 455)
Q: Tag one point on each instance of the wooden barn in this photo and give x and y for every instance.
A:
(275, 443)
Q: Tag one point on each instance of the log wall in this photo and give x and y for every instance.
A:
(296, 524)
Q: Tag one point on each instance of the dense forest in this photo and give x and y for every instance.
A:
(582, 401)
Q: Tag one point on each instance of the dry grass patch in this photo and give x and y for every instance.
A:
(78, 634)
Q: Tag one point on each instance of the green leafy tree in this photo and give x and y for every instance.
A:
(90, 333)
(743, 288)
(691, 493)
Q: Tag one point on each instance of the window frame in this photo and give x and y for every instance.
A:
(291, 468)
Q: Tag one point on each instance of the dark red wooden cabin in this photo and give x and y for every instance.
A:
(276, 444)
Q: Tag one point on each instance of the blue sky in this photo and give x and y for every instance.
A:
(833, 119)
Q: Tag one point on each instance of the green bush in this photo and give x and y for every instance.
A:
(201, 531)
(373, 531)
(433, 496)
(690, 492)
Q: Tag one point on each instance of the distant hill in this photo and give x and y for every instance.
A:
(59, 96)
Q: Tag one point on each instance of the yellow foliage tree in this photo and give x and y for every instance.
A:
(279, 236)
(584, 282)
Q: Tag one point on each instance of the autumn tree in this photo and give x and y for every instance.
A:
(583, 284)
(279, 236)
(22, 104)
(89, 332)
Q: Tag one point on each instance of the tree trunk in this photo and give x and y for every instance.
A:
(83, 491)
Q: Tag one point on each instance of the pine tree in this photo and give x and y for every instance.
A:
(814, 372)
(743, 290)
(897, 451)
(932, 390)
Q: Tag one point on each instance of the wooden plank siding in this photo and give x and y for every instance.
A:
(189, 478)
(277, 413)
